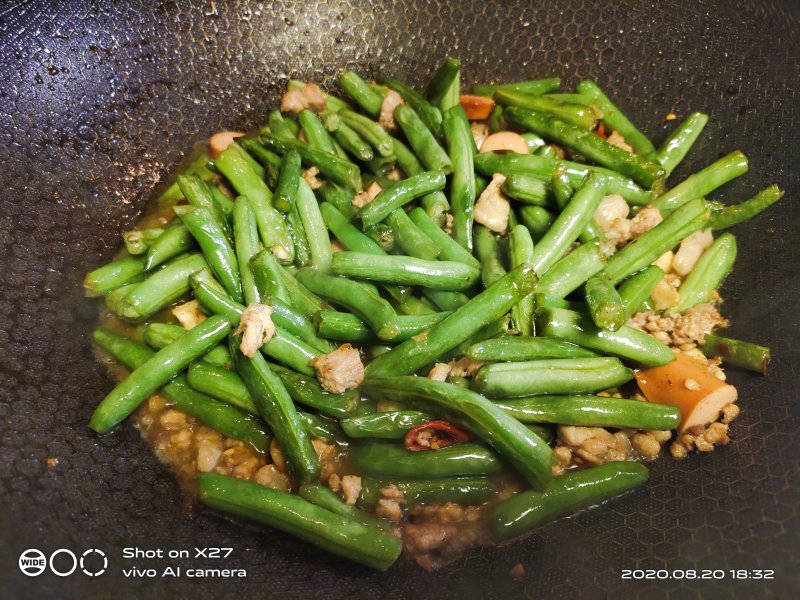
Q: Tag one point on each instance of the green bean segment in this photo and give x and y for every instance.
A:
(592, 411)
(525, 347)
(292, 514)
(567, 494)
(552, 376)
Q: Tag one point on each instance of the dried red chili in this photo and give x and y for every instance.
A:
(433, 435)
(601, 130)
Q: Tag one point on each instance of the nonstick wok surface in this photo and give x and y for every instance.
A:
(99, 101)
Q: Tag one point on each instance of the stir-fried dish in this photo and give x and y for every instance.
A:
(420, 321)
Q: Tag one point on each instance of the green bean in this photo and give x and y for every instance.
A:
(578, 115)
(245, 181)
(409, 238)
(567, 494)
(284, 347)
(175, 240)
(636, 289)
(198, 194)
(708, 273)
(273, 231)
(322, 428)
(247, 246)
(346, 327)
(398, 195)
(228, 420)
(305, 390)
(391, 460)
(276, 407)
(287, 189)
(114, 275)
(406, 158)
(326, 498)
(415, 306)
(551, 376)
(615, 119)
(593, 411)
(533, 86)
(728, 216)
(347, 233)
(383, 235)
(498, 328)
(680, 141)
(158, 335)
(592, 146)
(315, 131)
(430, 115)
(449, 249)
(645, 249)
(161, 289)
(362, 94)
(568, 225)
(604, 304)
(563, 192)
(370, 131)
(491, 260)
(392, 425)
(489, 163)
(222, 384)
(294, 224)
(547, 151)
(422, 140)
(737, 353)
(569, 273)
(267, 276)
(303, 299)
(547, 301)
(287, 512)
(339, 170)
(627, 342)
(157, 371)
(371, 308)
(138, 241)
(521, 253)
(443, 88)
(516, 444)
(216, 249)
(436, 206)
(281, 126)
(525, 347)
(485, 308)
(534, 141)
(314, 227)
(703, 182)
(222, 201)
(526, 189)
(460, 143)
(199, 167)
(351, 141)
(270, 161)
(537, 219)
(495, 121)
(465, 491)
(405, 270)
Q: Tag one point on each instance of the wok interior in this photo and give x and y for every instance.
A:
(99, 106)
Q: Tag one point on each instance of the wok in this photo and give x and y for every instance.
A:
(100, 101)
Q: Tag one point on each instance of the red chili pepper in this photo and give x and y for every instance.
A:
(434, 440)
(601, 130)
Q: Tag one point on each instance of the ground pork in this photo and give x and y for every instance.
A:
(361, 199)
(256, 328)
(492, 208)
(309, 96)
(340, 370)
(616, 139)
(189, 314)
(386, 118)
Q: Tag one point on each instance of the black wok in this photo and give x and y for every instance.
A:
(99, 101)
